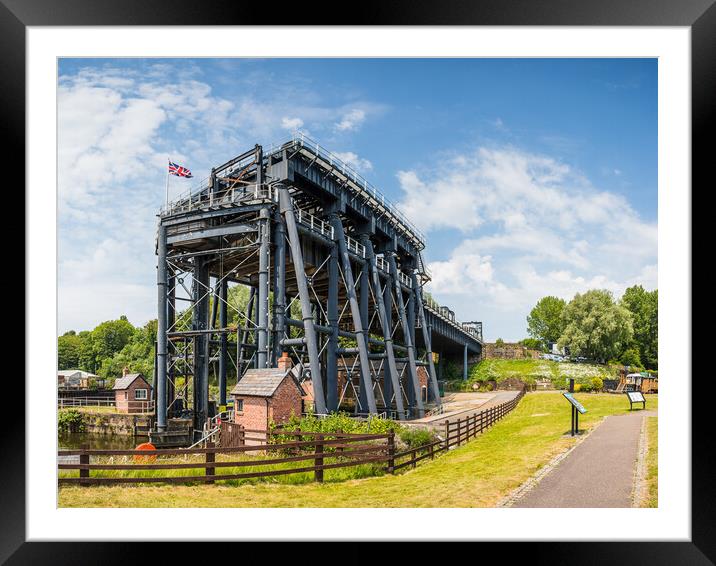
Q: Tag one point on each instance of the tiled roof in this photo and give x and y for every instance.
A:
(125, 381)
(262, 382)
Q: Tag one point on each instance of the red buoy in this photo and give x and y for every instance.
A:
(148, 457)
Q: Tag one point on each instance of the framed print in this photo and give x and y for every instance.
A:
(393, 279)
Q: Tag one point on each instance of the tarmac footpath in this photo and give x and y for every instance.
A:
(598, 472)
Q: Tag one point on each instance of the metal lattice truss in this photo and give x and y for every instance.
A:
(343, 302)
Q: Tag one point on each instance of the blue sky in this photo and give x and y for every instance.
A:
(529, 176)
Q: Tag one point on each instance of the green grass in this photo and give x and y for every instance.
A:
(477, 474)
(652, 462)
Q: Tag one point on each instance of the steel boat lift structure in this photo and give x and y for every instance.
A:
(335, 275)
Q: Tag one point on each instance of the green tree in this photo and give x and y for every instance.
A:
(545, 321)
(111, 336)
(68, 350)
(644, 307)
(137, 355)
(595, 326)
(499, 342)
(631, 357)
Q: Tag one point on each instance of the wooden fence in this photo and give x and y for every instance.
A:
(322, 451)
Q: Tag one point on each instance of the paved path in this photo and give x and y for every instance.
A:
(460, 405)
(599, 472)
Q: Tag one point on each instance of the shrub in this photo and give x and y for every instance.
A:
(416, 437)
(583, 387)
(577, 387)
(597, 383)
(70, 420)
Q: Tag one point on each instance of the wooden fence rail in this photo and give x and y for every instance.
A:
(324, 451)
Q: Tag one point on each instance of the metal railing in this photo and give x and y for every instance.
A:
(438, 310)
(360, 184)
(63, 402)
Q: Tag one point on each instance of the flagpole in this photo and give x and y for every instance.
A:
(166, 189)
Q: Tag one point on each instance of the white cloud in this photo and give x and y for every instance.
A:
(356, 162)
(351, 120)
(116, 128)
(531, 226)
(291, 123)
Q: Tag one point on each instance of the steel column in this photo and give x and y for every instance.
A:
(464, 364)
(223, 297)
(332, 348)
(309, 331)
(263, 289)
(391, 371)
(427, 338)
(364, 298)
(279, 287)
(162, 311)
(200, 321)
(361, 337)
(413, 370)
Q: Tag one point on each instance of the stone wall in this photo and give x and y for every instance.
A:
(508, 351)
(114, 423)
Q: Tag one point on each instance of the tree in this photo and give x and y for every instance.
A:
(644, 307)
(68, 350)
(545, 320)
(630, 357)
(499, 342)
(595, 326)
(137, 354)
(110, 337)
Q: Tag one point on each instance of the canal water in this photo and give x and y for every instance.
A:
(75, 440)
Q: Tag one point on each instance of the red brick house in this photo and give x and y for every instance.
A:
(265, 395)
(132, 393)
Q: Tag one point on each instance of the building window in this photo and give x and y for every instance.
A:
(239, 405)
(126, 395)
(140, 393)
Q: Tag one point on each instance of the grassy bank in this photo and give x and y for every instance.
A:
(528, 371)
(477, 474)
(652, 462)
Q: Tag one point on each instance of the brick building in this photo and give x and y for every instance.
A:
(132, 393)
(268, 394)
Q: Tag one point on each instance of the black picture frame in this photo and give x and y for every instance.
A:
(699, 15)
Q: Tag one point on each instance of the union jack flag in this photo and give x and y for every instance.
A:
(178, 170)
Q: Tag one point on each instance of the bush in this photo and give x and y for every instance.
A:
(416, 437)
(577, 387)
(597, 383)
(70, 420)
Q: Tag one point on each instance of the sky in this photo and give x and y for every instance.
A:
(529, 177)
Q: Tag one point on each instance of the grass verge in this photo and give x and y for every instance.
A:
(652, 462)
(477, 474)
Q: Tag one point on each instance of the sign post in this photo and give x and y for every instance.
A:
(577, 409)
(636, 397)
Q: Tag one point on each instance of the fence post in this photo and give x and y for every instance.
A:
(413, 455)
(447, 435)
(210, 459)
(84, 459)
(459, 431)
(318, 459)
(391, 452)
(242, 435)
(339, 434)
